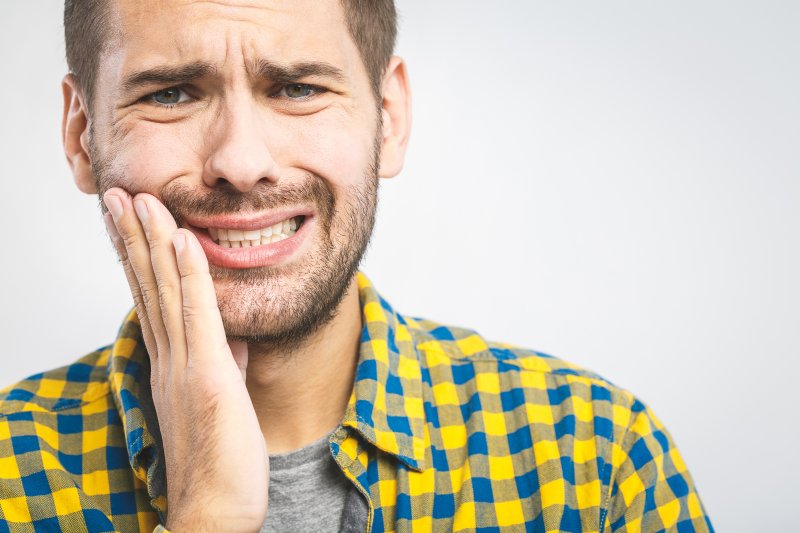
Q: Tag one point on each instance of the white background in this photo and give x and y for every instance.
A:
(614, 183)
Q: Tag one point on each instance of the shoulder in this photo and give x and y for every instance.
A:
(84, 381)
(467, 356)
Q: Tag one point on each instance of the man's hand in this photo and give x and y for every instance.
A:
(216, 459)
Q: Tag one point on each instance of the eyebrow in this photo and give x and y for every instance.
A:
(167, 75)
(287, 73)
(269, 70)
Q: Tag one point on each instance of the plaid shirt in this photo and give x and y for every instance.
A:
(444, 431)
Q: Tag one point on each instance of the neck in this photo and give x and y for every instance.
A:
(300, 396)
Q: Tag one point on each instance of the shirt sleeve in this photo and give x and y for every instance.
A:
(652, 489)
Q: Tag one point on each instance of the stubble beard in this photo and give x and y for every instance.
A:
(280, 307)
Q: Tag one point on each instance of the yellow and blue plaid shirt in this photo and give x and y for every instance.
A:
(444, 431)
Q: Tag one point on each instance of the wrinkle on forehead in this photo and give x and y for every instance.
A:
(171, 31)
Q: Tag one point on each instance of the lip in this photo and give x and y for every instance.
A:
(247, 222)
(255, 256)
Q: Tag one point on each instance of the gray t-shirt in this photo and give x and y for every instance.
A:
(307, 491)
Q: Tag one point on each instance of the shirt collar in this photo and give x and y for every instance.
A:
(386, 406)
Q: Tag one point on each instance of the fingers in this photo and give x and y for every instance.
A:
(159, 227)
(145, 228)
(134, 252)
(205, 334)
(133, 283)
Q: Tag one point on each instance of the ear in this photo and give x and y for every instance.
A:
(396, 115)
(75, 135)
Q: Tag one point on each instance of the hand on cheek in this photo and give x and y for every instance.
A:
(204, 411)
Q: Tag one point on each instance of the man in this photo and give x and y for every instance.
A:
(262, 383)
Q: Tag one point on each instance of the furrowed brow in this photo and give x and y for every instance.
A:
(281, 73)
(166, 76)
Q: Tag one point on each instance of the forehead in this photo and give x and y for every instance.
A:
(228, 32)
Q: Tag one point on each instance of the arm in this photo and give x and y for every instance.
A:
(652, 489)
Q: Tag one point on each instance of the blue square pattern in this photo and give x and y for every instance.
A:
(527, 484)
(390, 341)
(600, 393)
(443, 334)
(571, 520)
(444, 506)
(36, 484)
(520, 440)
(117, 458)
(650, 499)
(432, 414)
(371, 476)
(24, 444)
(603, 427)
(403, 508)
(69, 424)
(558, 395)
(377, 520)
(399, 424)
(46, 525)
(462, 373)
(394, 385)
(129, 401)
(511, 399)
(21, 416)
(565, 426)
(472, 406)
(477, 444)
(79, 373)
(367, 369)
(482, 490)
(568, 470)
(19, 395)
(122, 503)
(97, 521)
(662, 440)
(72, 463)
(640, 454)
(678, 485)
(364, 410)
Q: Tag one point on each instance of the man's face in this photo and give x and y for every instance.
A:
(255, 124)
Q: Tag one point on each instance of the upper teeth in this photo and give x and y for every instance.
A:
(235, 238)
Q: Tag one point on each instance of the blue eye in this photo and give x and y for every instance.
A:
(169, 96)
(299, 90)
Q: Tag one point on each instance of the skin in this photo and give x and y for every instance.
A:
(234, 130)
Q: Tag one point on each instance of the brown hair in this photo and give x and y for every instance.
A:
(87, 24)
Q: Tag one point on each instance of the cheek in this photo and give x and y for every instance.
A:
(338, 151)
(153, 155)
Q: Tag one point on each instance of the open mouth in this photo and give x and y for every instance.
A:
(234, 238)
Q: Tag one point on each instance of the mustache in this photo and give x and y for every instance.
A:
(181, 199)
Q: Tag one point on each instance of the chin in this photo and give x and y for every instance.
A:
(277, 311)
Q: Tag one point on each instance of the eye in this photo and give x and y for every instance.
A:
(299, 91)
(170, 96)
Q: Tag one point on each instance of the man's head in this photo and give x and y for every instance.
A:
(239, 115)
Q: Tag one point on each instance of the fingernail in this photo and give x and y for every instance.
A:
(179, 241)
(114, 205)
(141, 210)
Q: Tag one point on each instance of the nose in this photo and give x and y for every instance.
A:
(239, 153)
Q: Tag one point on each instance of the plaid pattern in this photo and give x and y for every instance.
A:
(444, 432)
